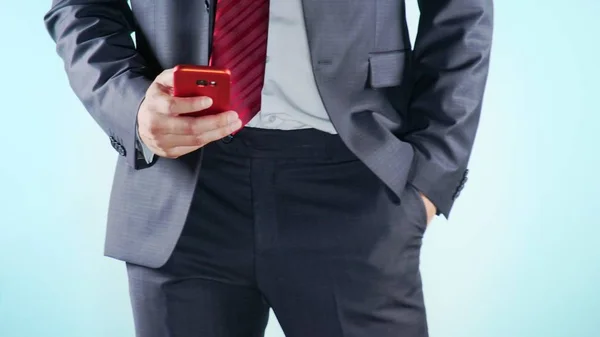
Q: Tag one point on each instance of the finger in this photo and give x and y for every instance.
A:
(213, 122)
(166, 104)
(176, 152)
(186, 105)
(182, 150)
(174, 146)
(165, 78)
(173, 125)
(160, 125)
(169, 141)
(187, 125)
(219, 133)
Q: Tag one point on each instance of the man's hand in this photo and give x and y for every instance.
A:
(166, 130)
(429, 207)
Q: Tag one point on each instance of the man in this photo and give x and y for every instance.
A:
(317, 207)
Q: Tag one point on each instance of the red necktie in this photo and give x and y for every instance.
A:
(240, 45)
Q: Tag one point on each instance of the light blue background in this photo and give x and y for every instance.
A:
(520, 256)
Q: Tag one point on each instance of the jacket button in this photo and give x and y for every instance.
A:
(121, 150)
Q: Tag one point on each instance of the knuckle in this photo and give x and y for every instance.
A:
(188, 127)
(154, 126)
(158, 143)
(170, 105)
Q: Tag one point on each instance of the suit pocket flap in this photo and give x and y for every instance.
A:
(386, 69)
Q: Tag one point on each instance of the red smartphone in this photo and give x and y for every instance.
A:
(192, 80)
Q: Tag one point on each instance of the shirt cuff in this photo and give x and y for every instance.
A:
(143, 151)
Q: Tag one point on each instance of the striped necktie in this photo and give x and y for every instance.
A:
(240, 45)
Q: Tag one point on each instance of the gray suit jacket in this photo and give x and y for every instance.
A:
(410, 114)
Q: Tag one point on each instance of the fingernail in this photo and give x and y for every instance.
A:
(208, 101)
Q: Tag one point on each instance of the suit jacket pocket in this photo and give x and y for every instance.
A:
(388, 69)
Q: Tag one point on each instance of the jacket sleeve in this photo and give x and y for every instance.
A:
(108, 75)
(449, 67)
